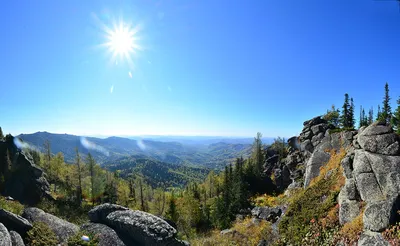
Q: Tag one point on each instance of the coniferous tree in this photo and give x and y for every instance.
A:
(1, 134)
(257, 155)
(47, 149)
(79, 172)
(91, 164)
(172, 212)
(396, 117)
(351, 114)
(386, 114)
(378, 115)
(363, 118)
(333, 116)
(345, 117)
(370, 116)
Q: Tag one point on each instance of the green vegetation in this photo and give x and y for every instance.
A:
(311, 205)
(41, 235)
(77, 239)
(12, 206)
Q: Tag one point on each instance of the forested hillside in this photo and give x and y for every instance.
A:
(215, 155)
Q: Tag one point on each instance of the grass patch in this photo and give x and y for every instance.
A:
(314, 203)
(41, 235)
(77, 239)
(268, 200)
(11, 206)
(245, 233)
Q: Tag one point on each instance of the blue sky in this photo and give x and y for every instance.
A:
(226, 68)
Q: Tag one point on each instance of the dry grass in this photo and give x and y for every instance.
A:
(245, 233)
(350, 232)
(268, 200)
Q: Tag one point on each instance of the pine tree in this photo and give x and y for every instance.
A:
(370, 116)
(47, 149)
(386, 114)
(332, 116)
(79, 172)
(91, 164)
(257, 155)
(172, 212)
(345, 117)
(363, 118)
(1, 134)
(351, 114)
(378, 115)
(396, 117)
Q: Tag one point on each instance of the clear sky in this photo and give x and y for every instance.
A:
(206, 67)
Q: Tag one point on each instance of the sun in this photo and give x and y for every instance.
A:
(122, 41)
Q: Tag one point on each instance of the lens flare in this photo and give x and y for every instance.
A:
(23, 145)
(92, 146)
(121, 39)
(141, 144)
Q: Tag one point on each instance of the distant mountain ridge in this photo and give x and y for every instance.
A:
(214, 155)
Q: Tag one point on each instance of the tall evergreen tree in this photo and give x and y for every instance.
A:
(386, 109)
(370, 116)
(396, 117)
(1, 134)
(378, 115)
(333, 116)
(79, 172)
(363, 118)
(91, 164)
(172, 212)
(258, 155)
(352, 120)
(345, 117)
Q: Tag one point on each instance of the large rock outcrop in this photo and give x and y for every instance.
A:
(105, 234)
(14, 222)
(24, 180)
(16, 239)
(5, 238)
(135, 227)
(63, 229)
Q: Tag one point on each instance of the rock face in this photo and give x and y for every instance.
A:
(14, 222)
(105, 234)
(25, 181)
(60, 227)
(379, 139)
(132, 227)
(5, 238)
(143, 227)
(267, 213)
(16, 239)
(99, 213)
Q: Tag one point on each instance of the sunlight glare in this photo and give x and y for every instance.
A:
(122, 41)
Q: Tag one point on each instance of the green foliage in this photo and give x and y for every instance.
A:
(66, 209)
(157, 173)
(363, 121)
(41, 235)
(12, 206)
(396, 117)
(332, 116)
(312, 203)
(347, 117)
(76, 240)
(386, 113)
(1, 134)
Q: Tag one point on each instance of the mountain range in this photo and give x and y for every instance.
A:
(210, 152)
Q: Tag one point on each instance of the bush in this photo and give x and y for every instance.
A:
(392, 234)
(77, 239)
(41, 235)
(12, 206)
(244, 232)
(318, 201)
(351, 231)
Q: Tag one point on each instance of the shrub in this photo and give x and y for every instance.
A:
(268, 200)
(12, 206)
(316, 202)
(351, 231)
(392, 234)
(244, 232)
(41, 235)
(76, 240)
